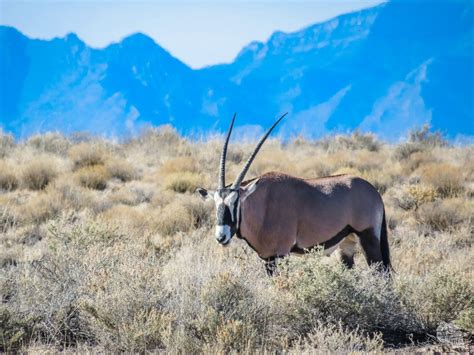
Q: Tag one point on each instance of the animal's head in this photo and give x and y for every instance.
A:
(227, 198)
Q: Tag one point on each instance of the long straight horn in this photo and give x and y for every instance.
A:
(240, 178)
(224, 154)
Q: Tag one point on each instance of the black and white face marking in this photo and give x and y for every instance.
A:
(227, 204)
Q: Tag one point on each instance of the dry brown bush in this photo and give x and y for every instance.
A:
(182, 182)
(41, 207)
(51, 142)
(93, 177)
(127, 218)
(446, 178)
(7, 142)
(86, 154)
(179, 165)
(173, 218)
(121, 169)
(8, 177)
(355, 141)
(444, 214)
(38, 173)
(411, 197)
(333, 338)
(416, 160)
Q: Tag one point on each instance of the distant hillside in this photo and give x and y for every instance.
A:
(383, 69)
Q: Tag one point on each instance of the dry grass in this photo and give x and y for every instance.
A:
(105, 248)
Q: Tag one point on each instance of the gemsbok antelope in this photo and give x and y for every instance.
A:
(277, 214)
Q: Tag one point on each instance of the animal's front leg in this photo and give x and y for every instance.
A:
(271, 265)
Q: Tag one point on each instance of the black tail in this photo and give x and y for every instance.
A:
(384, 245)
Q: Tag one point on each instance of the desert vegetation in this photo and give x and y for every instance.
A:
(105, 247)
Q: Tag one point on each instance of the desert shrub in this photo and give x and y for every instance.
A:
(217, 304)
(357, 140)
(133, 193)
(182, 182)
(38, 173)
(93, 177)
(273, 158)
(14, 330)
(334, 338)
(312, 168)
(443, 295)
(201, 214)
(340, 159)
(411, 197)
(127, 218)
(8, 178)
(423, 135)
(50, 142)
(465, 319)
(7, 215)
(39, 208)
(86, 154)
(121, 170)
(126, 196)
(54, 295)
(176, 217)
(447, 179)
(74, 197)
(179, 165)
(381, 180)
(81, 137)
(7, 142)
(163, 141)
(416, 160)
(442, 215)
(365, 160)
(419, 140)
(347, 171)
(405, 150)
(173, 219)
(330, 292)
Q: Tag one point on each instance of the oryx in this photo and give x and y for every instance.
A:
(277, 214)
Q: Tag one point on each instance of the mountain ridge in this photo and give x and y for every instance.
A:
(358, 70)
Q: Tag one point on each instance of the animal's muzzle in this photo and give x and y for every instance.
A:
(222, 239)
(223, 234)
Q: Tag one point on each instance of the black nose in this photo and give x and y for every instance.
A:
(220, 238)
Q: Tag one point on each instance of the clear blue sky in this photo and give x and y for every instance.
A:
(198, 32)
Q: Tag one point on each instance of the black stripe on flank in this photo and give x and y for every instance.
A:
(327, 244)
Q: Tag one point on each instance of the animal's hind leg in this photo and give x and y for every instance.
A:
(347, 250)
(370, 242)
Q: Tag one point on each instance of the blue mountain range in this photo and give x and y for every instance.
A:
(384, 69)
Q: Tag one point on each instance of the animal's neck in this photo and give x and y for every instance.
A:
(239, 219)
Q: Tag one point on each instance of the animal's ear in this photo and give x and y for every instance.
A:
(205, 195)
(250, 189)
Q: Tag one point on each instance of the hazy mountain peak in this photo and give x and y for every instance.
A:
(384, 68)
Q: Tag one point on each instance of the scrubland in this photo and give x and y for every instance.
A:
(104, 246)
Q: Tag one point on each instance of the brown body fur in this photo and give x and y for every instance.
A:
(286, 212)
